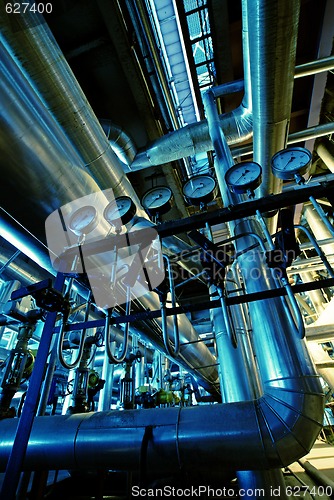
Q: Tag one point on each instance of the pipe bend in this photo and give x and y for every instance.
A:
(289, 422)
(272, 431)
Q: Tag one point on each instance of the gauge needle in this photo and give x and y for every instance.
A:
(291, 159)
(242, 175)
(198, 187)
(155, 199)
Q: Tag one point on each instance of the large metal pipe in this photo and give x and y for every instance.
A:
(276, 352)
(273, 39)
(272, 431)
(195, 138)
(64, 152)
(47, 71)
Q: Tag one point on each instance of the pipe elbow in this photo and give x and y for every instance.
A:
(290, 420)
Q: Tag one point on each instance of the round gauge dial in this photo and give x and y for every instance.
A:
(243, 177)
(120, 211)
(157, 200)
(291, 161)
(83, 220)
(200, 189)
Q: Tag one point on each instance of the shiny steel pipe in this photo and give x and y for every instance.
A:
(195, 138)
(55, 159)
(235, 377)
(273, 39)
(36, 153)
(272, 431)
(302, 135)
(48, 73)
(314, 67)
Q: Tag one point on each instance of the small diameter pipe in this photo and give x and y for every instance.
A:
(322, 215)
(173, 301)
(107, 332)
(227, 320)
(265, 230)
(62, 332)
(317, 249)
(317, 475)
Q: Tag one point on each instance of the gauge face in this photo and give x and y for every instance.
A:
(243, 177)
(200, 189)
(120, 210)
(157, 200)
(84, 220)
(291, 161)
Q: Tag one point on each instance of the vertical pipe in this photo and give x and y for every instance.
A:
(270, 369)
(108, 368)
(273, 34)
(234, 381)
(48, 380)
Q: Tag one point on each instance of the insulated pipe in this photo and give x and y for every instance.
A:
(272, 431)
(120, 141)
(273, 39)
(45, 68)
(55, 159)
(195, 138)
(325, 155)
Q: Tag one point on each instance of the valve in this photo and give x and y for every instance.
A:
(46, 297)
(18, 361)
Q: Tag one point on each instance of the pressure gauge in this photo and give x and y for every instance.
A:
(243, 177)
(157, 200)
(291, 161)
(84, 220)
(199, 189)
(120, 211)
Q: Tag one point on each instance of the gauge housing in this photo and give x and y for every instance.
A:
(157, 200)
(287, 163)
(200, 189)
(84, 220)
(121, 209)
(243, 177)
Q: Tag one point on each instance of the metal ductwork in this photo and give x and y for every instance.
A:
(269, 47)
(119, 141)
(54, 92)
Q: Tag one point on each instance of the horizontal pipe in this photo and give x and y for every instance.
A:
(269, 431)
(314, 67)
(317, 475)
(302, 135)
(323, 333)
